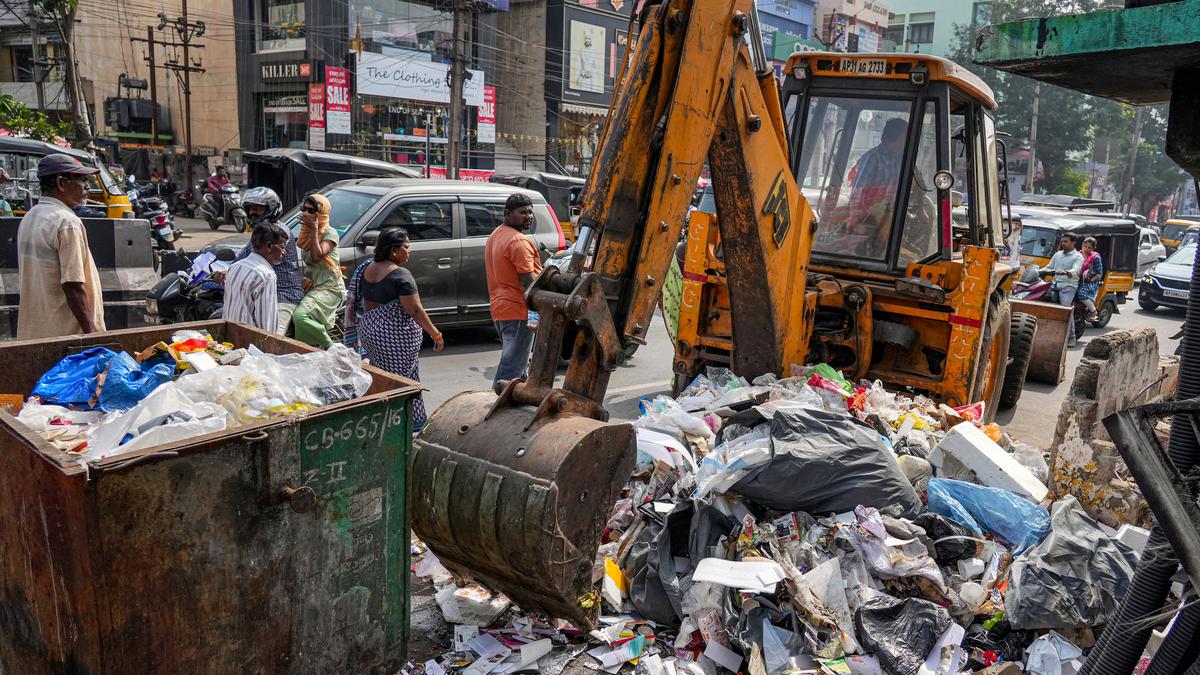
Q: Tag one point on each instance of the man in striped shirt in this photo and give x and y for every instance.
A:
(250, 294)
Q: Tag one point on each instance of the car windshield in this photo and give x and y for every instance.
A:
(1174, 230)
(347, 207)
(1038, 241)
(1184, 256)
(110, 183)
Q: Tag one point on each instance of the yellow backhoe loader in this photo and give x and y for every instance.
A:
(841, 250)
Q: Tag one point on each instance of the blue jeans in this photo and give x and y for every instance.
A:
(1066, 298)
(516, 341)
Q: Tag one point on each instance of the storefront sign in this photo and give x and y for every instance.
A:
(316, 117)
(285, 104)
(295, 70)
(387, 76)
(337, 100)
(486, 117)
(594, 45)
(473, 175)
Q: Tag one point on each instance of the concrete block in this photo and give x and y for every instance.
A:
(990, 463)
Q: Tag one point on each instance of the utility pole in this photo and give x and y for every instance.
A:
(150, 61)
(1033, 125)
(1127, 192)
(458, 76)
(186, 32)
(35, 36)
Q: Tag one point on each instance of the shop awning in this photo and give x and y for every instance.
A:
(584, 109)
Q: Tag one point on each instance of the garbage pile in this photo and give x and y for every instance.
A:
(811, 525)
(100, 404)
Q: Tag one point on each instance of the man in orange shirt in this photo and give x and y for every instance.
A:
(512, 264)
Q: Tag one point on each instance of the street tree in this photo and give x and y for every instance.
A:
(61, 15)
(22, 121)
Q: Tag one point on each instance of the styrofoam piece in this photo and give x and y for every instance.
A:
(992, 466)
(1134, 537)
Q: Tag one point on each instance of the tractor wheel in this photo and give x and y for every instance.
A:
(993, 356)
(1020, 349)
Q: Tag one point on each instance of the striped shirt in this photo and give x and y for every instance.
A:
(250, 296)
(288, 278)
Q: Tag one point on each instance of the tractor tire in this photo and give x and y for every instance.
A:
(1104, 313)
(993, 356)
(1020, 349)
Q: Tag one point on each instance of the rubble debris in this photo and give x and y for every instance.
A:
(807, 525)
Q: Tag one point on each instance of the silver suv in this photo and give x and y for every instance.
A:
(448, 222)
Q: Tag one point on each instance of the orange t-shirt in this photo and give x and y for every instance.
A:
(509, 255)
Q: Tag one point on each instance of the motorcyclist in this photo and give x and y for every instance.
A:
(218, 180)
(264, 206)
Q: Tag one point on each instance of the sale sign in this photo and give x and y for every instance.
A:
(316, 117)
(337, 100)
(486, 116)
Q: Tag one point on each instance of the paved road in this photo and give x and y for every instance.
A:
(470, 359)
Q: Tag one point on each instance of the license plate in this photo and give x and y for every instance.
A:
(864, 66)
(164, 232)
(1182, 295)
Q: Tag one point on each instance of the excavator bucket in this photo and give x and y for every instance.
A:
(518, 500)
(1048, 359)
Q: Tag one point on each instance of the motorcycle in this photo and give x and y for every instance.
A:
(163, 233)
(224, 208)
(1043, 289)
(185, 293)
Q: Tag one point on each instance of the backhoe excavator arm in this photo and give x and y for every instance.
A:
(514, 489)
(689, 92)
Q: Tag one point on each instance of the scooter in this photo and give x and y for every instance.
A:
(1043, 289)
(183, 293)
(224, 208)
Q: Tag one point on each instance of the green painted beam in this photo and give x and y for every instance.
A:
(1126, 54)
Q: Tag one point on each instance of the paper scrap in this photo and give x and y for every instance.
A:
(652, 665)
(724, 657)
(614, 585)
(485, 664)
(755, 576)
(485, 645)
(463, 636)
(946, 655)
(626, 652)
(434, 668)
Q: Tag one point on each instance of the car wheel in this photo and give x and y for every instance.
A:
(1146, 303)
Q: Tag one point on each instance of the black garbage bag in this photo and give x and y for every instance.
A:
(949, 542)
(823, 462)
(901, 633)
(1075, 578)
(665, 552)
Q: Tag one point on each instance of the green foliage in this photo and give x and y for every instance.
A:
(59, 7)
(1068, 121)
(22, 121)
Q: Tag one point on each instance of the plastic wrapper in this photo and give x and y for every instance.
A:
(1033, 459)
(900, 632)
(166, 415)
(1014, 520)
(1075, 578)
(729, 462)
(74, 380)
(331, 376)
(255, 391)
(888, 557)
(665, 415)
(127, 382)
(952, 541)
(824, 462)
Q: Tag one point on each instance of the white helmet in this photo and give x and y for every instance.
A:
(263, 196)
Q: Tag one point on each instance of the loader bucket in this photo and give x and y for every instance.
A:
(1048, 359)
(519, 507)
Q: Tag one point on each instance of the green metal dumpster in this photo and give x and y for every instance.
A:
(281, 547)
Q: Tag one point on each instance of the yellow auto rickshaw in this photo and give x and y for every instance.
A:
(20, 157)
(1116, 242)
(1173, 231)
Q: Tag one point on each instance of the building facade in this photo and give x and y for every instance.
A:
(794, 17)
(852, 25)
(112, 67)
(929, 26)
(374, 85)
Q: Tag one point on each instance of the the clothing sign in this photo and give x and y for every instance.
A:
(486, 131)
(337, 100)
(392, 77)
(316, 117)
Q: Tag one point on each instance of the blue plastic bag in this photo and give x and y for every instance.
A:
(73, 381)
(128, 382)
(1014, 520)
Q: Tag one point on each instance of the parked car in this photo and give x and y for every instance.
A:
(1167, 284)
(1150, 250)
(448, 222)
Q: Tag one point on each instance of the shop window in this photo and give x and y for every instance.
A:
(424, 221)
(920, 33)
(483, 218)
(401, 24)
(894, 35)
(280, 25)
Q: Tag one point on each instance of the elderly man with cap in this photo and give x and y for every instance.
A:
(60, 287)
